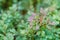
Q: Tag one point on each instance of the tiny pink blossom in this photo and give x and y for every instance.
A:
(33, 14)
(31, 18)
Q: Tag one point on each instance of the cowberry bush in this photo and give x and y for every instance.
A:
(29, 20)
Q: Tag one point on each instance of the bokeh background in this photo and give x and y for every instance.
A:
(29, 19)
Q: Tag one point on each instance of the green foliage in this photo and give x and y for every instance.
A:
(29, 20)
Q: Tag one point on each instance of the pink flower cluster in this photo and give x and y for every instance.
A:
(31, 18)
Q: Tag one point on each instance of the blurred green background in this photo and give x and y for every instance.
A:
(29, 19)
